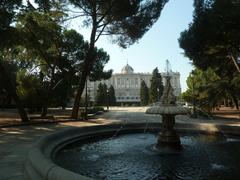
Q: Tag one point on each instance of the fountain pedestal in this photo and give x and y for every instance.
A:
(168, 138)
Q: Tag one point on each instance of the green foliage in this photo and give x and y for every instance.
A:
(127, 20)
(156, 87)
(30, 90)
(58, 55)
(213, 41)
(98, 72)
(214, 36)
(187, 96)
(105, 94)
(8, 38)
(12, 69)
(208, 89)
(50, 57)
(8, 11)
(111, 96)
(95, 109)
(62, 92)
(144, 94)
(236, 83)
(101, 96)
(75, 49)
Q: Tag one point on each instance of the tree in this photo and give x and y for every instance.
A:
(76, 52)
(63, 92)
(101, 95)
(213, 37)
(30, 90)
(43, 40)
(9, 37)
(156, 87)
(144, 94)
(11, 68)
(33, 36)
(213, 40)
(112, 97)
(59, 53)
(200, 89)
(208, 89)
(126, 20)
(105, 95)
(98, 72)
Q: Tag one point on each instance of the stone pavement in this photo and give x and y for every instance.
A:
(16, 141)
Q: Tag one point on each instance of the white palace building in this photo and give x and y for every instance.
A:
(127, 84)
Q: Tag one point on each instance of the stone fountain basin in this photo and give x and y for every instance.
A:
(40, 165)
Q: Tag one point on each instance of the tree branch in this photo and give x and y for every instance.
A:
(106, 13)
(73, 17)
(108, 33)
(234, 61)
(101, 31)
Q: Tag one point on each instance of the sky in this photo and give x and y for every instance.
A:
(157, 45)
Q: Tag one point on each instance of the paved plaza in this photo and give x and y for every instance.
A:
(16, 141)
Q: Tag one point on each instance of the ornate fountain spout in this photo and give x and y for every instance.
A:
(168, 97)
(168, 139)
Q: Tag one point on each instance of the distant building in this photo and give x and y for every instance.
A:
(127, 85)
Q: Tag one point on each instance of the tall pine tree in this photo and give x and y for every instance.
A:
(112, 97)
(156, 88)
(101, 97)
(126, 21)
(144, 94)
(105, 95)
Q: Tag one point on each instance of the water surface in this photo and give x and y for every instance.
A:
(131, 156)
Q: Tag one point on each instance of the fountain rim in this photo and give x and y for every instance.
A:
(40, 164)
(168, 109)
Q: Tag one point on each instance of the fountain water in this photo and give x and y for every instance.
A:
(168, 139)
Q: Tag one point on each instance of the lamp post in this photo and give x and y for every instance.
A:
(107, 100)
(157, 94)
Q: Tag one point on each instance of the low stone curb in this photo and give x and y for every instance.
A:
(46, 121)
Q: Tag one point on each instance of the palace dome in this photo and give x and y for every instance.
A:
(127, 70)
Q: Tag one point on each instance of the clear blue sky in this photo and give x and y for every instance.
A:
(157, 45)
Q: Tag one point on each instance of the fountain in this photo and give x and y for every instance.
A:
(123, 151)
(168, 140)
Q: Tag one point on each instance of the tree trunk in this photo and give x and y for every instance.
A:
(12, 91)
(235, 100)
(88, 63)
(20, 108)
(78, 95)
(44, 111)
(49, 93)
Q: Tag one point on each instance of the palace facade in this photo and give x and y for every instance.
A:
(127, 85)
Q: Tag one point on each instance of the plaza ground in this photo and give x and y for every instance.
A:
(15, 141)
